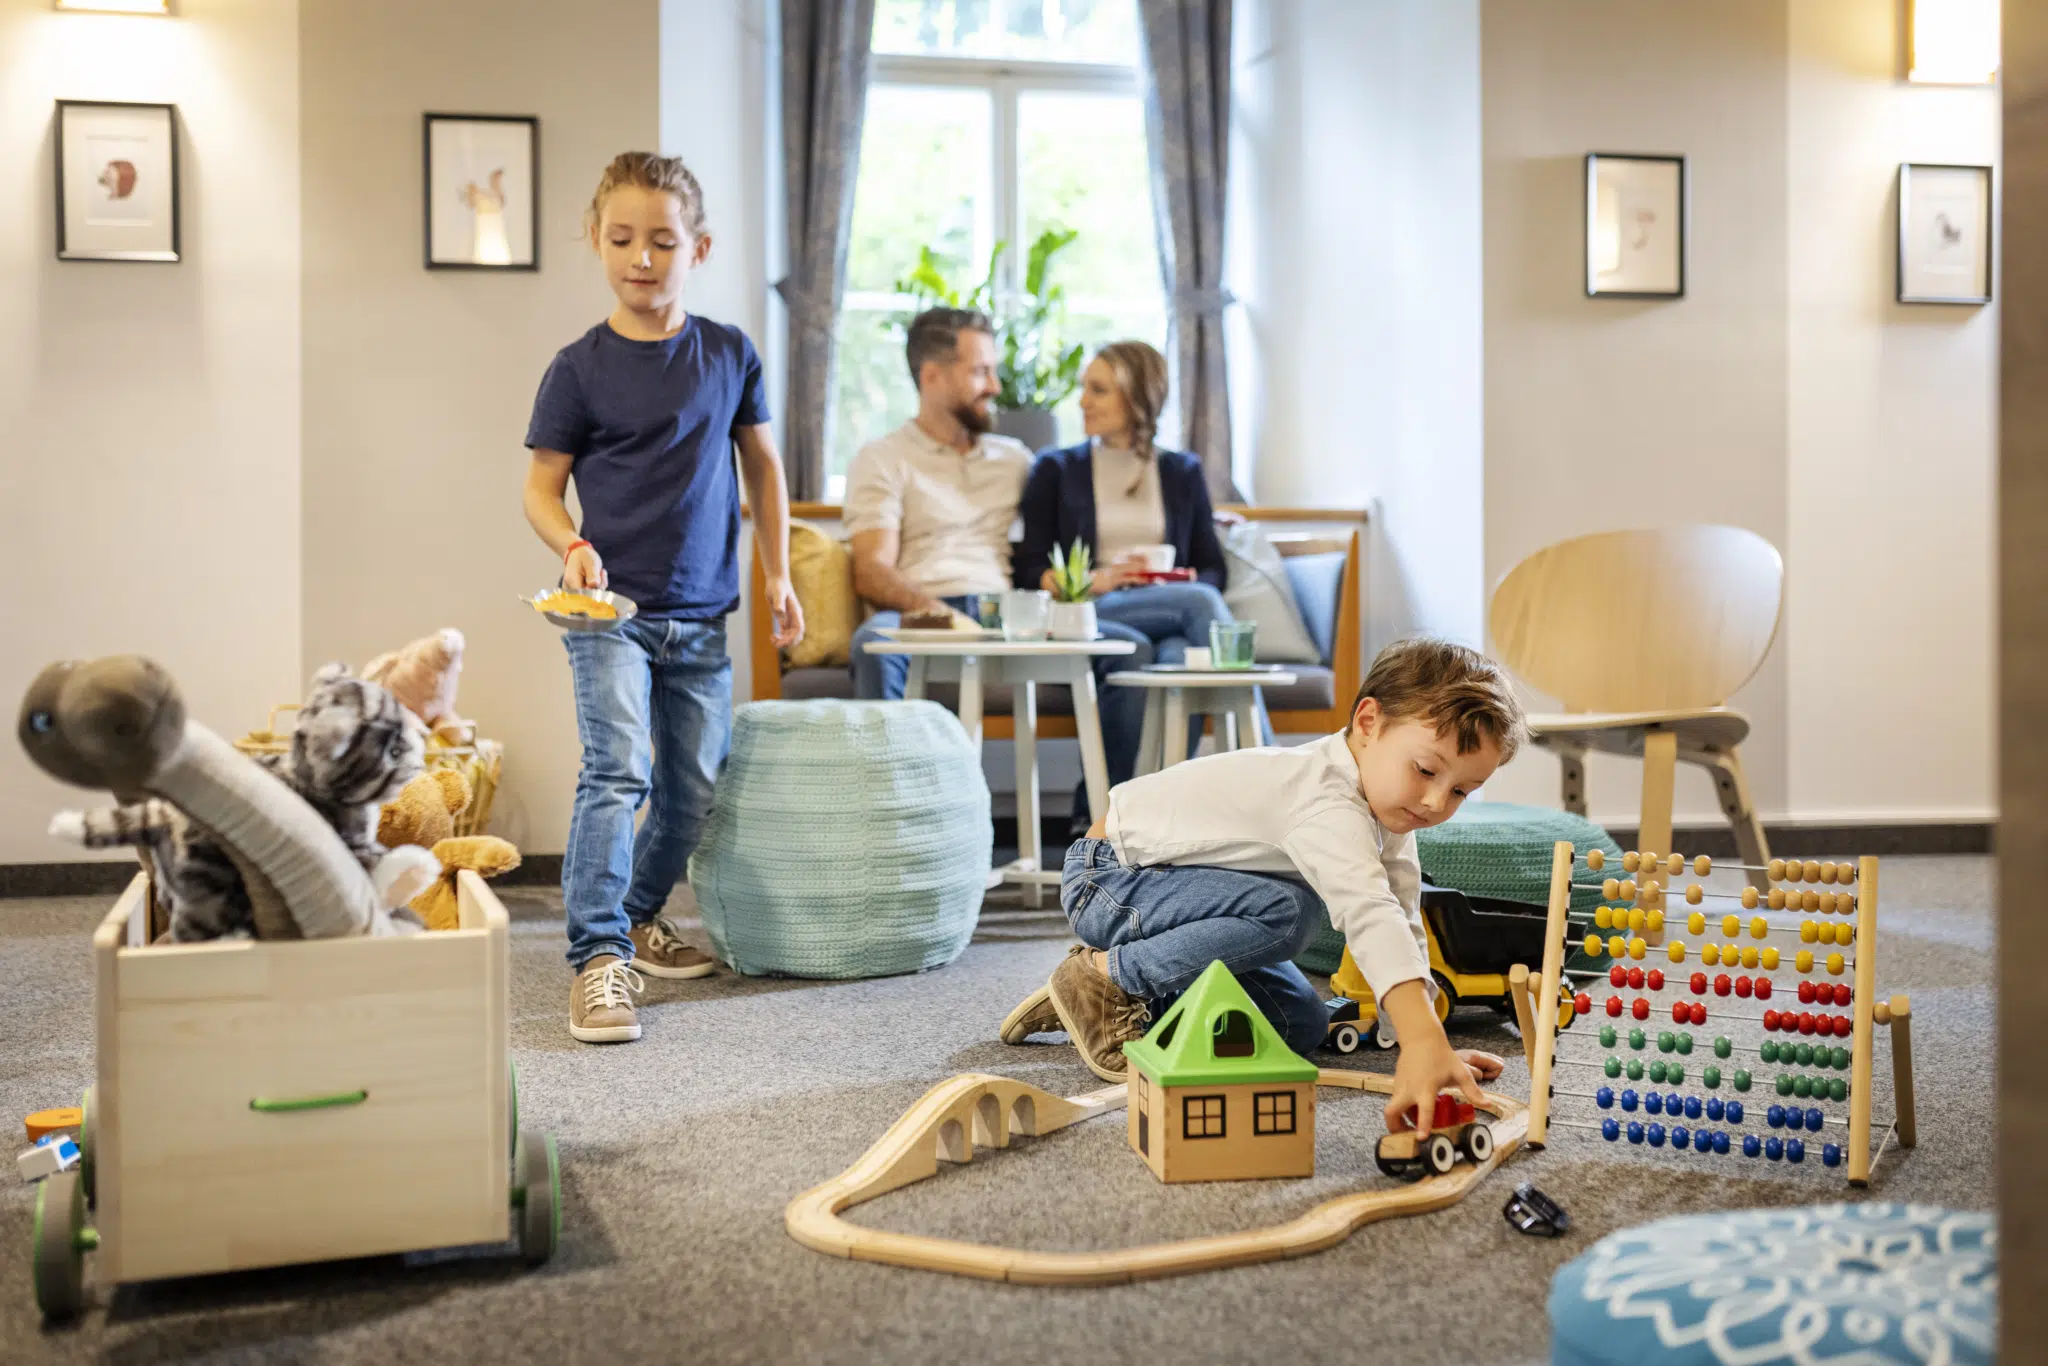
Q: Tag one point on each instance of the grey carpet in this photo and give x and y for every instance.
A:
(679, 1153)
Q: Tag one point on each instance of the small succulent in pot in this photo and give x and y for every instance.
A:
(1072, 576)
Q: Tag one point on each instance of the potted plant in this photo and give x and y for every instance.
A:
(1073, 611)
(1035, 369)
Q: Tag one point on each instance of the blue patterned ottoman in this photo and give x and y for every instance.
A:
(845, 839)
(1850, 1285)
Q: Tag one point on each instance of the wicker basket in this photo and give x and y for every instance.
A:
(480, 761)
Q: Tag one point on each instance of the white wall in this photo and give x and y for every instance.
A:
(151, 410)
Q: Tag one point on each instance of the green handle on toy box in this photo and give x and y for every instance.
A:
(267, 1106)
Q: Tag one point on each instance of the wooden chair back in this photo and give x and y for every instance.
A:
(1632, 621)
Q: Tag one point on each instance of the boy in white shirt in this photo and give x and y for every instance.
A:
(1233, 857)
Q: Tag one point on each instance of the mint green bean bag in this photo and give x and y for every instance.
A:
(846, 839)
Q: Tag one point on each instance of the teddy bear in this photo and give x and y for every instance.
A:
(423, 676)
(424, 814)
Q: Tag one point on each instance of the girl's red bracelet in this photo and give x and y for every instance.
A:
(573, 547)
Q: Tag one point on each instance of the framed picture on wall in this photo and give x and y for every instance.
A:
(1944, 234)
(1635, 226)
(117, 181)
(482, 192)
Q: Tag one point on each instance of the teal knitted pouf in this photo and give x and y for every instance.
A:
(1493, 849)
(1867, 1284)
(846, 839)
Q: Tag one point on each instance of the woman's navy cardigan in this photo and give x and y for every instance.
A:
(1058, 507)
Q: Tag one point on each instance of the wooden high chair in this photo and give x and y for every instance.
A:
(1643, 636)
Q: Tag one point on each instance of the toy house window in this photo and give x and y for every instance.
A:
(1202, 1116)
(1167, 1031)
(1144, 1133)
(1233, 1034)
(1273, 1112)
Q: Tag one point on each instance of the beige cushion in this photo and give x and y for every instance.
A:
(821, 570)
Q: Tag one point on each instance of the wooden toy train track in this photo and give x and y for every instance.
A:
(978, 1109)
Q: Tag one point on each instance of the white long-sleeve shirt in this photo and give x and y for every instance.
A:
(1297, 812)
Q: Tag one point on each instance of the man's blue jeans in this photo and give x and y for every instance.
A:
(1161, 927)
(654, 710)
(882, 678)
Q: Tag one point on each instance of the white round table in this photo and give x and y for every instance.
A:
(1023, 664)
(1173, 696)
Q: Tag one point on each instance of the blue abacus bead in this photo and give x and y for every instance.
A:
(1775, 1116)
(1635, 1132)
(1604, 1097)
(1721, 1142)
(1735, 1112)
(1795, 1150)
(1752, 1146)
(1610, 1129)
(1692, 1107)
(1653, 1103)
(1814, 1119)
(1680, 1136)
(1673, 1103)
(1830, 1155)
(1715, 1109)
(1628, 1101)
(1656, 1135)
(1774, 1149)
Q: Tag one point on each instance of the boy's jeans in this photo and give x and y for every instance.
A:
(654, 709)
(1162, 926)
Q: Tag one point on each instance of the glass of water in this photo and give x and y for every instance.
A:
(1230, 644)
(1026, 614)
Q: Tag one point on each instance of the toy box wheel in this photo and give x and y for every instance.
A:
(537, 1196)
(1479, 1142)
(58, 1241)
(1446, 997)
(1345, 1038)
(85, 1145)
(1440, 1154)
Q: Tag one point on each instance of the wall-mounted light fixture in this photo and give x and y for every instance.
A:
(1952, 42)
(159, 7)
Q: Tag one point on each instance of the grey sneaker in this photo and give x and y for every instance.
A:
(1033, 1015)
(1098, 1015)
(601, 1004)
(660, 951)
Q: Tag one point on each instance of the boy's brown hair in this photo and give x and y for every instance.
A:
(1458, 690)
(649, 171)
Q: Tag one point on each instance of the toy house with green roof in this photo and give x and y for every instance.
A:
(1216, 1095)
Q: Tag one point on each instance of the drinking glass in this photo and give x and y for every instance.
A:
(1026, 614)
(1230, 644)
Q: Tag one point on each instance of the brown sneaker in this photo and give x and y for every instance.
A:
(1033, 1015)
(601, 1004)
(1098, 1015)
(659, 951)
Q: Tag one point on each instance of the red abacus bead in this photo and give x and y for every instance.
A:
(1743, 986)
(1642, 1009)
(1617, 976)
(1806, 993)
(1699, 984)
(1614, 1005)
(1842, 994)
(1763, 988)
(1699, 1013)
(1771, 1018)
(1582, 1004)
(1680, 1012)
(1656, 981)
(1843, 1026)
(1807, 1022)
(1635, 978)
(1722, 985)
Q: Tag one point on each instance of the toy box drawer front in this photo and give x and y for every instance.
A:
(214, 1169)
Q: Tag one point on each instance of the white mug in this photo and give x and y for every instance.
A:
(1157, 559)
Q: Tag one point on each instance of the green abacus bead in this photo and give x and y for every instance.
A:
(1666, 1042)
(1741, 1080)
(1607, 1036)
(1613, 1067)
(1841, 1059)
(1838, 1090)
(1674, 1074)
(1768, 1051)
(1685, 1043)
(1784, 1083)
(1635, 1069)
(1636, 1038)
(1657, 1070)
(1710, 1078)
(1803, 1055)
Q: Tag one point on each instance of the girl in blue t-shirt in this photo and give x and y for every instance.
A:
(643, 411)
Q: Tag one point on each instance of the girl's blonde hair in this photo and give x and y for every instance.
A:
(650, 171)
(1139, 373)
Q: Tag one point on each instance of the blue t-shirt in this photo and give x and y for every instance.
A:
(651, 426)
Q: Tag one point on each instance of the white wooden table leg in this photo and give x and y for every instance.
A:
(1230, 739)
(1024, 715)
(1247, 703)
(1088, 725)
(1174, 742)
(1148, 734)
(913, 685)
(970, 697)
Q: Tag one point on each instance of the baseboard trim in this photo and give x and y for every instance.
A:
(99, 878)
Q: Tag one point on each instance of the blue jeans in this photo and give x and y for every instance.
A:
(1161, 927)
(654, 710)
(881, 678)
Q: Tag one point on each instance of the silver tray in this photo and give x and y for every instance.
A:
(568, 621)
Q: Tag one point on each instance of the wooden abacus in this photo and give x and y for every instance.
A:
(1634, 914)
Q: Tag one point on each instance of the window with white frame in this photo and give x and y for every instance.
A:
(988, 121)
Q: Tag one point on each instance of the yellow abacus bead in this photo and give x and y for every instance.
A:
(1637, 948)
(1835, 964)
(1749, 956)
(1693, 895)
(1845, 934)
(1809, 901)
(1777, 870)
(1617, 946)
(1631, 861)
(1628, 889)
(1611, 890)
(1593, 945)
(1776, 900)
(1603, 918)
(1759, 927)
(1637, 918)
(1811, 872)
(1596, 859)
(1654, 922)
(1847, 873)
(1696, 923)
(1650, 862)
(1710, 954)
(1803, 961)
(1731, 925)
(1827, 874)
(1845, 903)
(1750, 899)
(1702, 865)
(1677, 951)
(1769, 959)
(1674, 864)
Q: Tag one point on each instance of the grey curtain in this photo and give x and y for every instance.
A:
(824, 95)
(1187, 117)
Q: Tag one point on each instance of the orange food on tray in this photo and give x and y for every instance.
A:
(577, 605)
